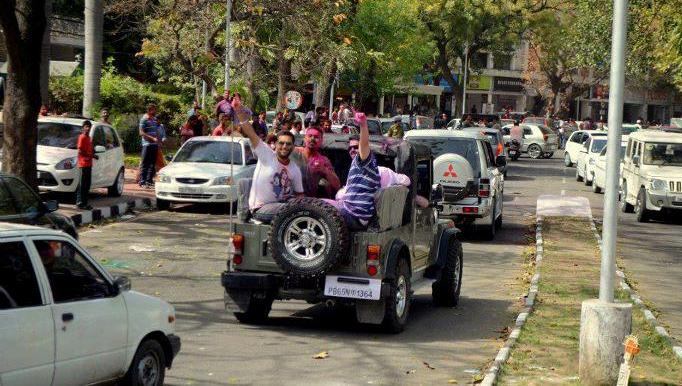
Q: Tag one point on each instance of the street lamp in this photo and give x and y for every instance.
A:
(464, 70)
(603, 323)
(228, 44)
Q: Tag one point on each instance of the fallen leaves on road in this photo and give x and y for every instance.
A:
(478, 378)
(322, 355)
(452, 381)
(139, 248)
(412, 371)
(428, 366)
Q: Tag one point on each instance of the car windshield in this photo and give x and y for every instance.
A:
(597, 145)
(58, 134)
(467, 148)
(663, 154)
(217, 152)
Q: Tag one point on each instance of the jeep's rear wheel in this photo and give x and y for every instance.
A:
(308, 237)
(256, 312)
(399, 298)
(445, 291)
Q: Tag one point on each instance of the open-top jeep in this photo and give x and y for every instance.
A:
(307, 252)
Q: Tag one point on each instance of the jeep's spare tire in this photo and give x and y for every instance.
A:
(308, 237)
(455, 174)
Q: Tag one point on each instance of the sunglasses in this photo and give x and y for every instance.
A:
(354, 147)
(283, 143)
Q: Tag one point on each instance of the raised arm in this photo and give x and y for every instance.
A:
(246, 127)
(364, 148)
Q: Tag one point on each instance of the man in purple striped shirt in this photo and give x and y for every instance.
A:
(357, 205)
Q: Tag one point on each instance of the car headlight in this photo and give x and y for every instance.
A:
(67, 163)
(165, 179)
(657, 184)
(226, 180)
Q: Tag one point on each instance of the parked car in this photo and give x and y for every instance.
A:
(587, 158)
(496, 139)
(453, 124)
(466, 168)
(308, 253)
(374, 125)
(20, 204)
(205, 170)
(57, 156)
(417, 122)
(386, 124)
(599, 180)
(652, 174)
(67, 321)
(575, 142)
(538, 141)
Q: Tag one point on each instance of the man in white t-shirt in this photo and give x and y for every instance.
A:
(275, 179)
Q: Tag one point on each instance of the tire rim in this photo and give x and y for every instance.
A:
(401, 297)
(534, 151)
(119, 183)
(638, 206)
(458, 268)
(305, 238)
(148, 370)
(567, 159)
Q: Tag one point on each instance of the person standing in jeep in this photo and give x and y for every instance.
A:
(357, 206)
(275, 179)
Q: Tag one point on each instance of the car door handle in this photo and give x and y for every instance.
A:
(67, 317)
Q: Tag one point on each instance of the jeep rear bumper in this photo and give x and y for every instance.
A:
(249, 280)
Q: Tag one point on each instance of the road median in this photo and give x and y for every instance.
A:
(546, 351)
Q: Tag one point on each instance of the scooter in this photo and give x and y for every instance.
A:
(514, 149)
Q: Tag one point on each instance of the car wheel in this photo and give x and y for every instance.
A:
(640, 208)
(148, 367)
(162, 204)
(595, 187)
(116, 190)
(534, 151)
(624, 206)
(567, 160)
(588, 182)
(578, 177)
(308, 237)
(445, 290)
(548, 155)
(399, 299)
(257, 311)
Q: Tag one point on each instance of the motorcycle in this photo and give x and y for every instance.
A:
(514, 150)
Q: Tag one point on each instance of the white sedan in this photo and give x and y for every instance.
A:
(64, 320)
(599, 181)
(584, 169)
(205, 170)
(56, 156)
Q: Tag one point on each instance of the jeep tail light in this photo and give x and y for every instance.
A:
(238, 243)
(373, 255)
(237, 259)
(470, 210)
(484, 188)
(500, 149)
(545, 136)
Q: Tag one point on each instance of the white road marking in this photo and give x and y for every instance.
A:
(563, 192)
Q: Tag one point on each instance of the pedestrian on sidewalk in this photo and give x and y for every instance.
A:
(86, 153)
(149, 135)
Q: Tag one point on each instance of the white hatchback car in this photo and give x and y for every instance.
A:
(205, 170)
(599, 180)
(64, 320)
(587, 158)
(574, 145)
(538, 141)
(57, 156)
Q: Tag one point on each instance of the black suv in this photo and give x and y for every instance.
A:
(20, 204)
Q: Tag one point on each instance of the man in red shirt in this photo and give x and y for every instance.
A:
(86, 153)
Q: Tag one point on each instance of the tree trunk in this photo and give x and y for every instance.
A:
(283, 75)
(251, 68)
(446, 73)
(23, 23)
(45, 60)
(93, 55)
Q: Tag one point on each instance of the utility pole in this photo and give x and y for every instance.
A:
(464, 85)
(331, 98)
(605, 324)
(93, 55)
(228, 43)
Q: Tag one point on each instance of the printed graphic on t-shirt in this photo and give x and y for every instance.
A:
(281, 184)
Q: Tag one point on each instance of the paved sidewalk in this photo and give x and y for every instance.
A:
(570, 206)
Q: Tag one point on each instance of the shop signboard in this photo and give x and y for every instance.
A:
(502, 83)
(657, 97)
(479, 82)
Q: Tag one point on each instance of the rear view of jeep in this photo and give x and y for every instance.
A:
(306, 252)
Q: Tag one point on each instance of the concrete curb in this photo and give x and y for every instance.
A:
(491, 376)
(637, 300)
(100, 213)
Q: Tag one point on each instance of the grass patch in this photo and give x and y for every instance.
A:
(547, 350)
(133, 160)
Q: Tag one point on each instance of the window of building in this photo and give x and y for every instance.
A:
(479, 60)
(502, 62)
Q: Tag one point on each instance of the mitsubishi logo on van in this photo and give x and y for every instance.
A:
(450, 172)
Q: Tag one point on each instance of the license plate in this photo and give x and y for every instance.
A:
(451, 209)
(352, 287)
(183, 189)
(512, 152)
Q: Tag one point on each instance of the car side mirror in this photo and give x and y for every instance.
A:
(51, 206)
(501, 160)
(635, 160)
(100, 149)
(252, 161)
(121, 284)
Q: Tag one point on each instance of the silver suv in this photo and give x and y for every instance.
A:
(467, 171)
